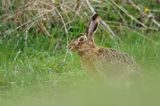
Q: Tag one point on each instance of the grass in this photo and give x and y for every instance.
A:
(33, 71)
(38, 67)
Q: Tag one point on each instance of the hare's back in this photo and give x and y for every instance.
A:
(112, 56)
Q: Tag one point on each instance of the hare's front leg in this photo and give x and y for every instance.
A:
(90, 68)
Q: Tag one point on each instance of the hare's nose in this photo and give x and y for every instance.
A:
(70, 47)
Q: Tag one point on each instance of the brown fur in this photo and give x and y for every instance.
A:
(98, 60)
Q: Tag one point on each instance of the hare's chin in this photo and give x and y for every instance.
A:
(72, 49)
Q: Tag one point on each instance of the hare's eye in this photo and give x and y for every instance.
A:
(82, 39)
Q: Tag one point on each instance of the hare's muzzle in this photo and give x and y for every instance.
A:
(71, 47)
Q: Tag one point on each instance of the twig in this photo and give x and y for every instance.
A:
(29, 21)
(134, 5)
(126, 12)
(17, 54)
(141, 11)
(65, 27)
(44, 29)
(155, 22)
(26, 32)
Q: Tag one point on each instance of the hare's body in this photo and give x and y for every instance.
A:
(104, 61)
(107, 61)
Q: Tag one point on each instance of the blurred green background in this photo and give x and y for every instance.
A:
(37, 69)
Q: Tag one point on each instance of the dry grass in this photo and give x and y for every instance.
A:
(41, 15)
(28, 60)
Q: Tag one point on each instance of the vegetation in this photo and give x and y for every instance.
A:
(34, 60)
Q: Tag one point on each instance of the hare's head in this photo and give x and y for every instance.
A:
(84, 41)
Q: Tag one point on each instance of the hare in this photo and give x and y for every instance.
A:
(97, 60)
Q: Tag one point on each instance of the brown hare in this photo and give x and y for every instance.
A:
(101, 61)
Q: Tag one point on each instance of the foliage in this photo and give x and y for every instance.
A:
(34, 35)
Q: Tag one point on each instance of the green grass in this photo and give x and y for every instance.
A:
(39, 68)
(33, 71)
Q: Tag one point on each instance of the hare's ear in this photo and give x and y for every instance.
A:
(92, 26)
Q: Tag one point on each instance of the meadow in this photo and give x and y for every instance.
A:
(36, 67)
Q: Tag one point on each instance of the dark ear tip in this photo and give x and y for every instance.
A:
(95, 16)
